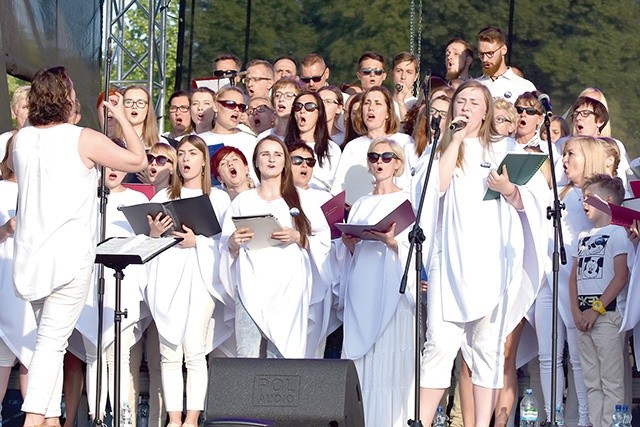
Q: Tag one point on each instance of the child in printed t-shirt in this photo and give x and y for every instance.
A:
(597, 287)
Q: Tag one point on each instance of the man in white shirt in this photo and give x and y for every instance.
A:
(497, 76)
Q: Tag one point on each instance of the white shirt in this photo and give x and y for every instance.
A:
(508, 85)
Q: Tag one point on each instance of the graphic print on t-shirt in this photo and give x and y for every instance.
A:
(591, 257)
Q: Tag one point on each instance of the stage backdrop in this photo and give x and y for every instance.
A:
(36, 34)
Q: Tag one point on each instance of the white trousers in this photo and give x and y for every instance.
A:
(56, 315)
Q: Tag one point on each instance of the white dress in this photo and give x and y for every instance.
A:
(174, 273)
(352, 173)
(322, 178)
(378, 320)
(275, 283)
(17, 321)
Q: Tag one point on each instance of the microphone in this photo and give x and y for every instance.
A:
(456, 126)
(294, 212)
(399, 87)
(546, 104)
(435, 122)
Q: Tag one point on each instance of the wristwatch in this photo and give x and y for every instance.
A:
(598, 306)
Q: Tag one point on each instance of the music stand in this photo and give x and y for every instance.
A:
(118, 253)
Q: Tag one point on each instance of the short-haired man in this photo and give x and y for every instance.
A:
(405, 73)
(371, 71)
(285, 66)
(314, 73)
(226, 62)
(179, 115)
(458, 57)
(497, 76)
(260, 78)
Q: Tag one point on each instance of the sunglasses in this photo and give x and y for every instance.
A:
(530, 111)
(386, 157)
(160, 160)
(376, 71)
(309, 106)
(225, 73)
(232, 105)
(316, 79)
(258, 110)
(297, 161)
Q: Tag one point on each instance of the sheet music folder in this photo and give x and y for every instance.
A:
(119, 252)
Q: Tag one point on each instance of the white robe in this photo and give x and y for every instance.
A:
(322, 178)
(378, 320)
(275, 283)
(17, 322)
(135, 278)
(176, 271)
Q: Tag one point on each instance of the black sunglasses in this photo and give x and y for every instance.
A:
(530, 111)
(232, 105)
(316, 79)
(376, 71)
(225, 73)
(297, 161)
(160, 160)
(386, 157)
(309, 106)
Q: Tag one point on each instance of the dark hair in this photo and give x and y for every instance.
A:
(177, 94)
(301, 145)
(611, 184)
(221, 154)
(320, 133)
(530, 99)
(290, 58)
(492, 35)
(288, 190)
(371, 55)
(228, 56)
(598, 108)
(50, 97)
(336, 90)
(350, 132)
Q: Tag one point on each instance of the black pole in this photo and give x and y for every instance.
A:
(191, 26)
(177, 85)
(512, 8)
(247, 33)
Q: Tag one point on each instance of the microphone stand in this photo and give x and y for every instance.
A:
(416, 238)
(103, 193)
(558, 256)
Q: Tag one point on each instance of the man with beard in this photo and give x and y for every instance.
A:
(458, 59)
(497, 76)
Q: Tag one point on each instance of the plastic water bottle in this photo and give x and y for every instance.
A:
(125, 415)
(559, 415)
(617, 418)
(528, 410)
(626, 416)
(440, 420)
(143, 412)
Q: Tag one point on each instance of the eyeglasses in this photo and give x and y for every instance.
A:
(436, 112)
(232, 105)
(140, 103)
(248, 80)
(160, 160)
(297, 161)
(376, 71)
(386, 157)
(225, 73)
(330, 101)
(490, 53)
(175, 108)
(287, 95)
(582, 113)
(309, 106)
(530, 111)
(501, 120)
(316, 79)
(258, 110)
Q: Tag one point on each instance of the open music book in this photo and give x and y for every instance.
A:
(194, 212)
(620, 215)
(403, 216)
(122, 251)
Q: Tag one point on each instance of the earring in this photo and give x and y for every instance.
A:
(202, 173)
